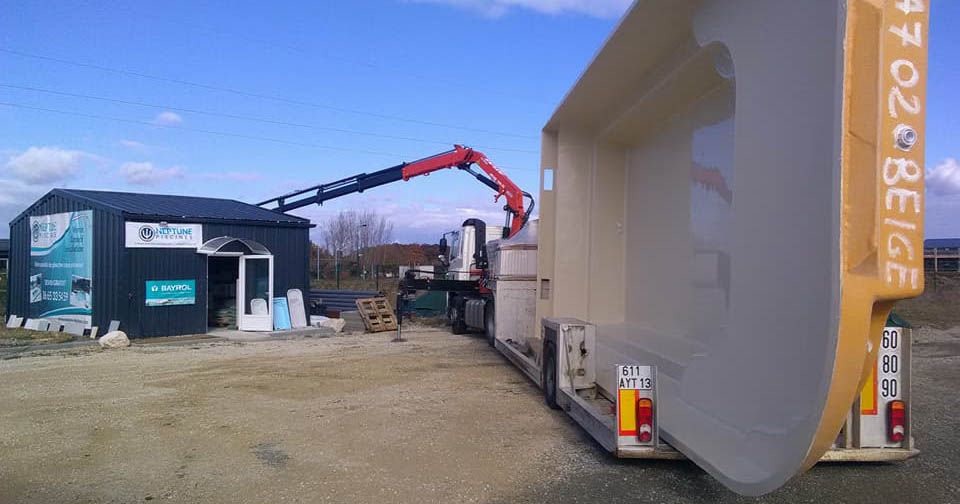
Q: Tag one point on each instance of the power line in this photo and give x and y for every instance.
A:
(257, 95)
(197, 130)
(355, 61)
(252, 118)
(219, 133)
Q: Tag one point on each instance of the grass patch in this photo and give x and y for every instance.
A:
(20, 337)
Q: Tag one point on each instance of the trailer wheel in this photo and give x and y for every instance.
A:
(490, 324)
(550, 376)
(458, 324)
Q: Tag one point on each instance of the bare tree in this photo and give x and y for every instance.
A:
(352, 232)
(375, 230)
(338, 232)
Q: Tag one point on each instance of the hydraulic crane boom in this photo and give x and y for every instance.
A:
(460, 157)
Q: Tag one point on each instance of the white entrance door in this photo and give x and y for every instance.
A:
(255, 293)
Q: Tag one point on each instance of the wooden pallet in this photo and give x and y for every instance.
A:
(377, 314)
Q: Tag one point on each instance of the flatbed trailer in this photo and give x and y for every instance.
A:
(865, 437)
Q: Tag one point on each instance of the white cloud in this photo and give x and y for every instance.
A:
(416, 222)
(15, 197)
(147, 174)
(944, 179)
(132, 144)
(138, 146)
(497, 8)
(167, 118)
(17, 193)
(44, 165)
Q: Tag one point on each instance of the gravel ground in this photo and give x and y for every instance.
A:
(440, 418)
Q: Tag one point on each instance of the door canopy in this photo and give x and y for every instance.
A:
(231, 244)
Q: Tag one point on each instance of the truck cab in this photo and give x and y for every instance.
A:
(461, 248)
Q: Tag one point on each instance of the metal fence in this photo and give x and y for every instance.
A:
(3, 296)
(941, 259)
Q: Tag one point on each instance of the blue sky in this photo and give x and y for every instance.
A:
(405, 78)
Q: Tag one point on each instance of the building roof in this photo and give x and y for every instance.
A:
(942, 243)
(4, 246)
(159, 206)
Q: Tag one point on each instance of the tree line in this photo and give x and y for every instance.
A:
(364, 239)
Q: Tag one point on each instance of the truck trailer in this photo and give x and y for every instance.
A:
(731, 204)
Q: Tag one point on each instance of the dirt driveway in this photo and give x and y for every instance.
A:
(440, 418)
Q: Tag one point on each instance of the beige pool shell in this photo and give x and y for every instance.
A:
(733, 194)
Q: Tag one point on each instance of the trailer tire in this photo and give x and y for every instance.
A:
(549, 378)
(490, 324)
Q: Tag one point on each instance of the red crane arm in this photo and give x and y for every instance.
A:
(462, 157)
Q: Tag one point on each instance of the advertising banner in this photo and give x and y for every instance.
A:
(61, 267)
(171, 292)
(153, 235)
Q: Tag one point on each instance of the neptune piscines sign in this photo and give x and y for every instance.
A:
(171, 292)
(61, 266)
(163, 235)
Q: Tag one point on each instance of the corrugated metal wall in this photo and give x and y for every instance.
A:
(120, 274)
(290, 247)
(107, 259)
(139, 320)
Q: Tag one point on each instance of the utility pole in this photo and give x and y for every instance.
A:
(337, 262)
(359, 262)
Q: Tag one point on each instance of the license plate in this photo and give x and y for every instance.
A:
(631, 377)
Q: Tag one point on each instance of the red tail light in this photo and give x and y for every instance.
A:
(896, 420)
(645, 420)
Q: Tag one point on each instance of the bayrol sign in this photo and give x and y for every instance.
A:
(163, 235)
(171, 292)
